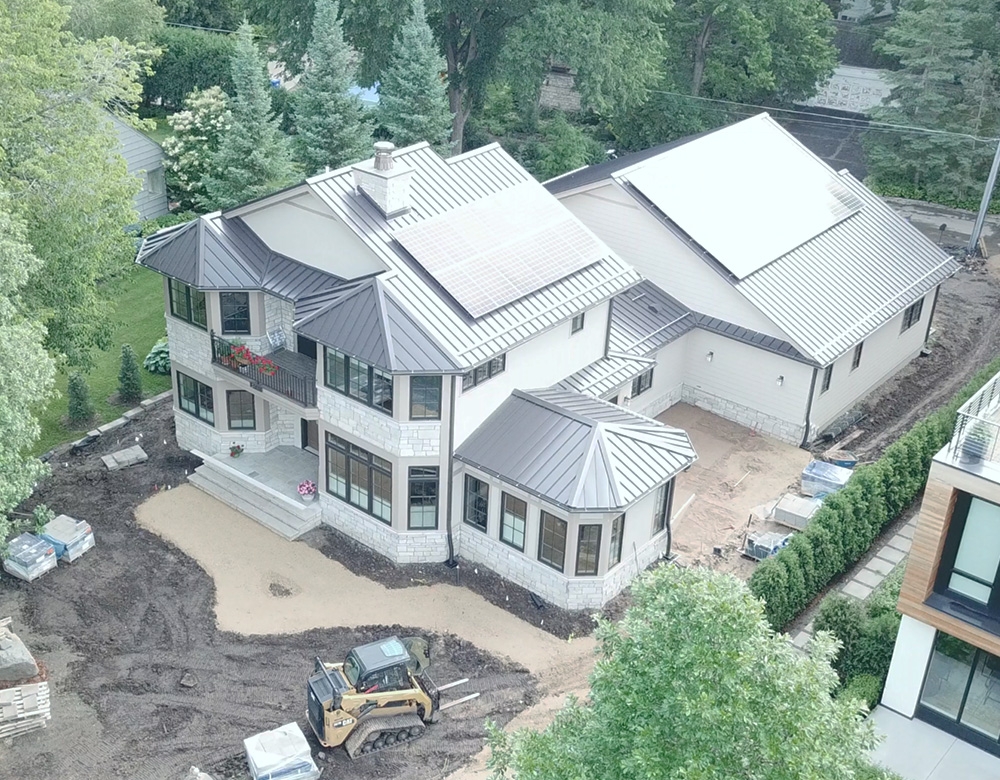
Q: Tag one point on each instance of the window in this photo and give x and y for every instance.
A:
(642, 383)
(588, 549)
(239, 404)
(972, 554)
(664, 503)
(423, 497)
(827, 376)
(425, 398)
(617, 539)
(358, 380)
(912, 315)
(513, 519)
(235, 308)
(577, 325)
(552, 541)
(477, 502)
(188, 304)
(358, 477)
(484, 371)
(856, 359)
(195, 398)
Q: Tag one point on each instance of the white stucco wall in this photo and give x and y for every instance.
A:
(543, 361)
(885, 352)
(668, 381)
(910, 656)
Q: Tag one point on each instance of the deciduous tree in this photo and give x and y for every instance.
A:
(332, 127)
(190, 150)
(253, 159)
(693, 683)
(135, 21)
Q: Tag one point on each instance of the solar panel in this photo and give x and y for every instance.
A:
(748, 193)
(496, 250)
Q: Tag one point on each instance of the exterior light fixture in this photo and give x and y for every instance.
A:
(781, 380)
(709, 356)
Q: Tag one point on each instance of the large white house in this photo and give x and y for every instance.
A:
(805, 290)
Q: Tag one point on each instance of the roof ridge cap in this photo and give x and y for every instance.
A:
(383, 320)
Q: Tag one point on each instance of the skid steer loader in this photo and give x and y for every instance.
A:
(378, 697)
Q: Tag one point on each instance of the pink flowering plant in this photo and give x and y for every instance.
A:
(307, 488)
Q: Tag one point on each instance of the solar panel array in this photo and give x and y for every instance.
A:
(502, 248)
(748, 194)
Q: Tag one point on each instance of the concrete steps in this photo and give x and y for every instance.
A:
(285, 516)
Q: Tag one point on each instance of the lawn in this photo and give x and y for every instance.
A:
(139, 322)
(159, 116)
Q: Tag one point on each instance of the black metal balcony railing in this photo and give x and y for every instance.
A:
(285, 373)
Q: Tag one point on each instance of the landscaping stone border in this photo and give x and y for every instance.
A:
(127, 417)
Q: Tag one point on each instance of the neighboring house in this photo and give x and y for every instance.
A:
(144, 159)
(378, 329)
(857, 10)
(852, 90)
(946, 663)
(794, 291)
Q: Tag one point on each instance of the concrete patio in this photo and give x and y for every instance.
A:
(281, 469)
(918, 751)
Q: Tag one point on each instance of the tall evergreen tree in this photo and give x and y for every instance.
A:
(413, 99)
(254, 158)
(331, 126)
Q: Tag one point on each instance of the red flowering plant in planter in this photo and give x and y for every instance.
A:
(265, 366)
(241, 355)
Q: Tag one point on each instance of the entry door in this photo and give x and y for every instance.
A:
(310, 436)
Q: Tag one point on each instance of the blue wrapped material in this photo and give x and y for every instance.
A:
(820, 478)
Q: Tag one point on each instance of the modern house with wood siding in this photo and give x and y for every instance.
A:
(805, 290)
(946, 661)
(383, 331)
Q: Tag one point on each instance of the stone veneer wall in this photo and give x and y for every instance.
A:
(397, 546)
(285, 427)
(656, 405)
(621, 576)
(744, 415)
(189, 346)
(405, 439)
(279, 313)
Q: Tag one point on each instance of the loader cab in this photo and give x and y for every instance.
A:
(378, 667)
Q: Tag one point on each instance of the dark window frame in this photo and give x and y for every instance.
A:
(366, 385)
(664, 503)
(229, 410)
(642, 383)
(577, 323)
(593, 545)
(504, 496)
(617, 541)
(827, 379)
(856, 357)
(425, 397)
(185, 309)
(912, 315)
(375, 468)
(484, 511)
(227, 301)
(543, 543)
(202, 411)
(958, 517)
(484, 372)
(415, 477)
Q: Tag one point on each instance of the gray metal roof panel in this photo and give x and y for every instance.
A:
(749, 336)
(644, 319)
(172, 252)
(607, 374)
(576, 451)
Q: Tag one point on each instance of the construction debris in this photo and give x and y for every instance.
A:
(71, 538)
(820, 479)
(281, 754)
(29, 557)
(24, 696)
(126, 457)
(795, 511)
(764, 544)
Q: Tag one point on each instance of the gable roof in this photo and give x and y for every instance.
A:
(575, 451)
(216, 253)
(365, 320)
(833, 288)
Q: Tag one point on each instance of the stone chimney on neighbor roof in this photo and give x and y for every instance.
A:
(385, 181)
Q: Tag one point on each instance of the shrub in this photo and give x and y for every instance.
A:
(129, 378)
(864, 688)
(41, 515)
(150, 226)
(883, 599)
(845, 618)
(158, 359)
(872, 652)
(81, 410)
(843, 529)
(191, 59)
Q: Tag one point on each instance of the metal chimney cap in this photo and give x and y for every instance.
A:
(383, 155)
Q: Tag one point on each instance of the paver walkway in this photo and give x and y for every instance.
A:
(866, 578)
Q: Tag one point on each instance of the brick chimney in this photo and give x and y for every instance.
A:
(385, 181)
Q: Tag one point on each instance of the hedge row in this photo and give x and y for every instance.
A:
(850, 521)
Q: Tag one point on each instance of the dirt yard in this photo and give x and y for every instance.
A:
(121, 627)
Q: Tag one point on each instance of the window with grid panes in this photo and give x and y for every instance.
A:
(588, 549)
(423, 490)
(513, 520)
(195, 398)
(359, 477)
(477, 503)
(188, 304)
(235, 310)
(552, 541)
(617, 540)
(358, 380)
(425, 398)
(239, 404)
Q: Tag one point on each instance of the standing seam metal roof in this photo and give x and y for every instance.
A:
(575, 451)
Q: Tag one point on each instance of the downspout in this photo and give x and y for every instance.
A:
(930, 320)
(809, 408)
(451, 471)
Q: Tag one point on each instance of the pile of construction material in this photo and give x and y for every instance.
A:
(24, 693)
(281, 754)
(71, 538)
(29, 557)
(820, 478)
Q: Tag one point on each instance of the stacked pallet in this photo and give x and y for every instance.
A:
(29, 557)
(69, 537)
(24, 693)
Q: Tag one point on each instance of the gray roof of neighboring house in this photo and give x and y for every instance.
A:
(216, 253)
(365, 320)
(143, 154)
(575, 451)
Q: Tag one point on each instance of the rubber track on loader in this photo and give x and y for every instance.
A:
(388, 725)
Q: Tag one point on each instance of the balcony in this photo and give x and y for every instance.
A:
(288, 374)
(975, 444)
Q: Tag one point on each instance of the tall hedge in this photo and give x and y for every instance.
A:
(850, 521)
(191, 59)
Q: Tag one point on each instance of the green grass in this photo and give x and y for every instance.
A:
(162, 129)
(139, 322)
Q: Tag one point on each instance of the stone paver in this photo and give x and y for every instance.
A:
(870, 578)
(126, 457)
(891, 554)
(801, 639)
(116, 423)
(856, 589)
(907, 531)
(880, 566)
(899, 542)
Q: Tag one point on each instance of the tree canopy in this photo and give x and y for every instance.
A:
(693, 684)
(332, 127)
(135, 21)
(190, 150)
